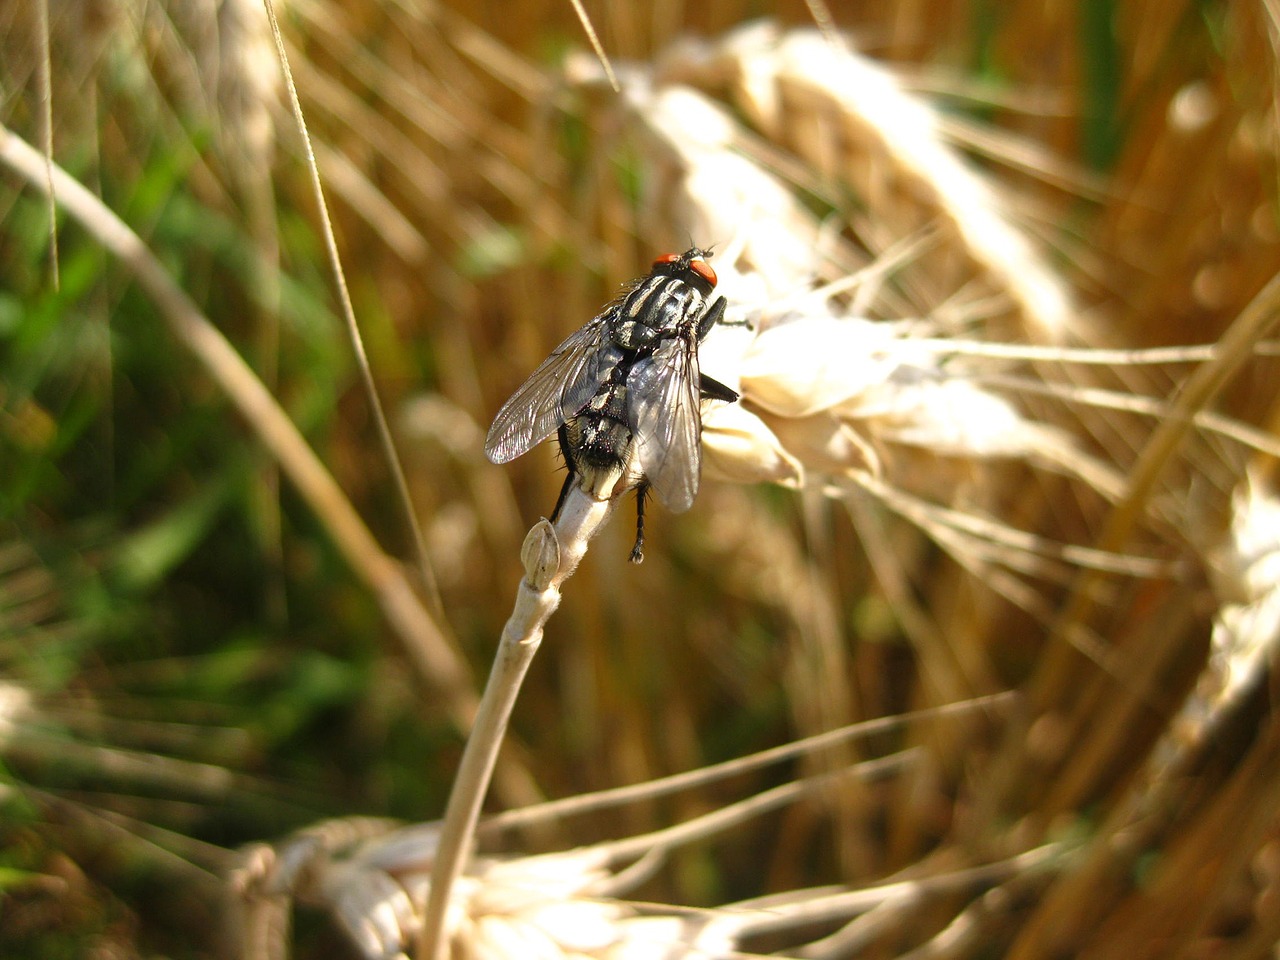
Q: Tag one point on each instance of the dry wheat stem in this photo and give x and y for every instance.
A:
(550, 556)
(436, 661)
(1099, 397)
(860, 932)
(929, 516)
(742, 811)
(901, 893)
(353, 330)
(702, 776)
(968, 934)
(1091, 356)
(370, 888)
(590, 30)
(413, 848)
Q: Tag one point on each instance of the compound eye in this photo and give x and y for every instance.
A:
(703, 269)
(665, 259)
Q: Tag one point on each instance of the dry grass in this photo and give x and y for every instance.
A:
(1008, 430)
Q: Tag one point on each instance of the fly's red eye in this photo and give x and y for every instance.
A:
(703, 269)
(665, 259)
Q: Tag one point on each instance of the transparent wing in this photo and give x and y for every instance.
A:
(662, 410)
(555, 392)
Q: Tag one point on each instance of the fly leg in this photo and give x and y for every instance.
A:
(572, 475)
(716, 315)
(637, 552)
(711, 389)
(711, 318)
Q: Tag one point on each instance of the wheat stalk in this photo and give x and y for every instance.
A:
(370, 874)
(977, 494)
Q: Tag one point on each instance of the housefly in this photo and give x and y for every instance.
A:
(623, 392)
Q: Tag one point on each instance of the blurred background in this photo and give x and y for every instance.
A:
(188, 663)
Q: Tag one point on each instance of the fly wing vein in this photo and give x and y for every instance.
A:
(555, 392)
(663, 413)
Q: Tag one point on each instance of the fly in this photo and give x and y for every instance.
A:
(623, 392)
